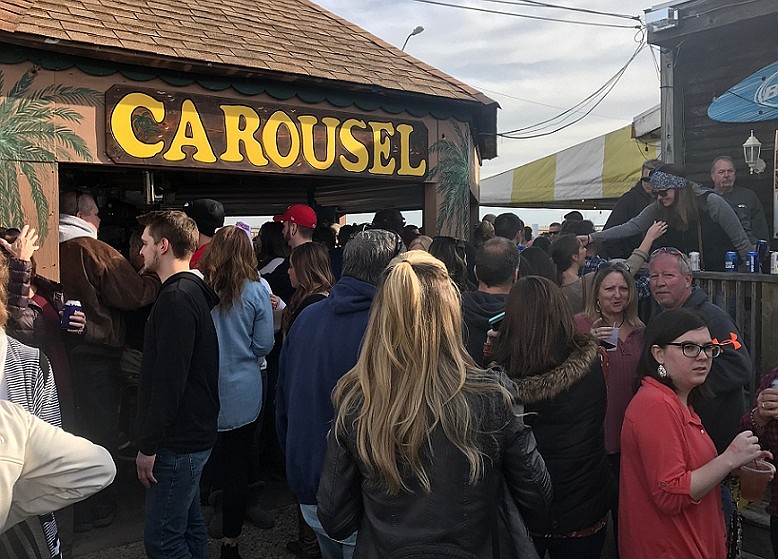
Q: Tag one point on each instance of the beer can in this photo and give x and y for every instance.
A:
(71, 306)
(753, 262)
(730, 262)
(694, 260)
(774, 263)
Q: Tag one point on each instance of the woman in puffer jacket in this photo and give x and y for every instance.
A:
(34, 306)
(558, 377)
(423, 438)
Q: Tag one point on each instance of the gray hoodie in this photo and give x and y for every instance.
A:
(72, 227)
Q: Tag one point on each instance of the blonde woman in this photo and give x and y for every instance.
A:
(422, 436)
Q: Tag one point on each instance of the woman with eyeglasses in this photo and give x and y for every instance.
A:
(422, 437)
(561, 383)
(699, 220)
(669, 497)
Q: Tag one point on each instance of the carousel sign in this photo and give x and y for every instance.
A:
(153, 127)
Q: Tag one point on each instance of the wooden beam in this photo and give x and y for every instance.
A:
(712, 14)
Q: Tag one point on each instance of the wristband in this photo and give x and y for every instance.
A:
(754, 424)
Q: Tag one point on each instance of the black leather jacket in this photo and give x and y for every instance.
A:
(455, 516)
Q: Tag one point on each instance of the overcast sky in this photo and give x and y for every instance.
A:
(523, 64)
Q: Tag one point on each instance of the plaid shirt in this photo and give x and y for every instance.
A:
(593, 264)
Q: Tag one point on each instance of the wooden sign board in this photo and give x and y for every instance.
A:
(173, 128)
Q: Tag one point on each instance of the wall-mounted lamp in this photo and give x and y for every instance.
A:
(751, 151)
(416, 31)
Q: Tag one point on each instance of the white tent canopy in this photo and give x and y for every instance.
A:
(591, 174)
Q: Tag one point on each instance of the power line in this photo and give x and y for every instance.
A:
(558, 7)
(526, 16)
(535, 102)
(541, 128)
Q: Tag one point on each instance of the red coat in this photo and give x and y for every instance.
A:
(662, 442)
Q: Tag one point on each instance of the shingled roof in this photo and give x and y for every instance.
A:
(265, 36)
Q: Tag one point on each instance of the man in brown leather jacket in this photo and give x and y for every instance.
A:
(106, 284)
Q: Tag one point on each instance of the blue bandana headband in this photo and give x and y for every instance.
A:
(665, 181)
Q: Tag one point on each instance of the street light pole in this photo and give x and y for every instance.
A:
(416, 31)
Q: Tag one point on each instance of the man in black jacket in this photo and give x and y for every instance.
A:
(178, 396)
(497, 269)
(628, 206)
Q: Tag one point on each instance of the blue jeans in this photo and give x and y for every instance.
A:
(330, 549)
(175, 528)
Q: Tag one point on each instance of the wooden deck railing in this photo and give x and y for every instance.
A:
(752, 301)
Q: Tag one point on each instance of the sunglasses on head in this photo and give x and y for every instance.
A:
(620, 266)
(669, 250)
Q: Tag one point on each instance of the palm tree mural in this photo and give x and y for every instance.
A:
(29, 134)
(453, 174)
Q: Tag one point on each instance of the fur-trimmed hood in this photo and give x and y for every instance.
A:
(545, 386)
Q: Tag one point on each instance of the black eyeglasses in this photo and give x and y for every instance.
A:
(692, 350)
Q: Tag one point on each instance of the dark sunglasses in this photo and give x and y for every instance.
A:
(660, 193)
(645, 179)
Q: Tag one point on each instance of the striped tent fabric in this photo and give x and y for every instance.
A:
(602, 168)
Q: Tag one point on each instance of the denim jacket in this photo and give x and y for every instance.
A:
(245, 337)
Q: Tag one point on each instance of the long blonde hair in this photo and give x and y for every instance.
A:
(228, 263)
(412, 375)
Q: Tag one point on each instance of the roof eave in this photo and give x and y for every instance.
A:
(483, 109)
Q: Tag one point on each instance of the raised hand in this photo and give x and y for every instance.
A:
(24, 245)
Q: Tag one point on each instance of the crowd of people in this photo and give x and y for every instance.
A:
(508, 395)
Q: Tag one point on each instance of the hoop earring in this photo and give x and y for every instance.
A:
(661, 371)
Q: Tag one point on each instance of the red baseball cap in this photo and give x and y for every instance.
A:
(300, 214)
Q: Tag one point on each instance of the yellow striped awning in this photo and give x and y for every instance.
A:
(594, 171)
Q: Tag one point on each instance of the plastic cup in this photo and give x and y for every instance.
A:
(754, 478)
(613, 339)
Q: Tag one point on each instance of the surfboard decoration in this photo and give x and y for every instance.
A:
(755, 99)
